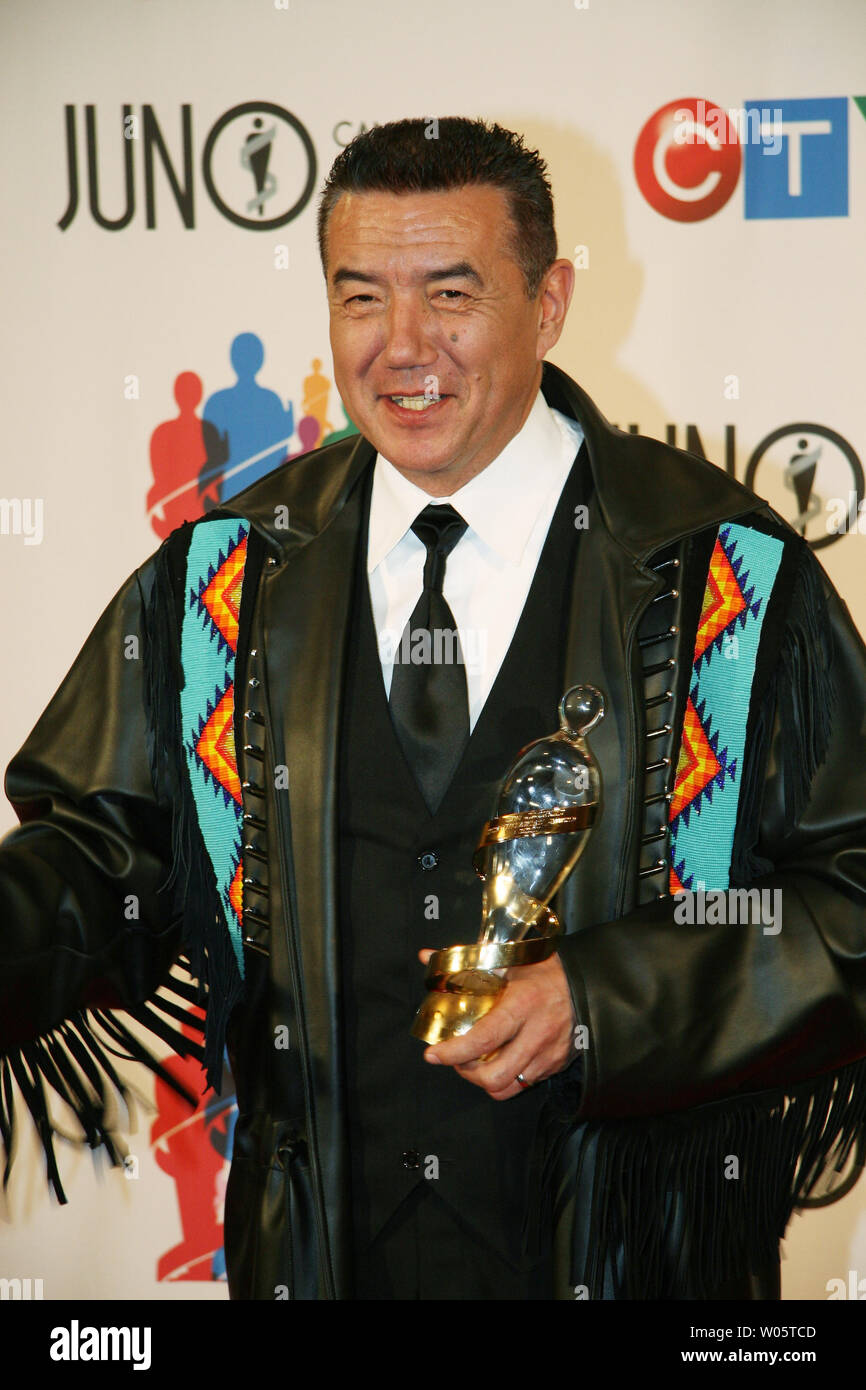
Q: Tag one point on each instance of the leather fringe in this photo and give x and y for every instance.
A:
(204, 934)
(801, 689)
(73, 1061)
(672, 1216)
(664, 1219)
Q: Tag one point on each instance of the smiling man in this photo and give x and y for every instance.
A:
(639, 1115)
(437, 344)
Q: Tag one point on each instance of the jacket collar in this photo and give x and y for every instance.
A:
(649, 493)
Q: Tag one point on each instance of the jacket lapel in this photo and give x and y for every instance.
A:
(609, 594)
(306, 605)
(307, 611)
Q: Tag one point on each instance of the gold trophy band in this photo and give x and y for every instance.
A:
(461, 985)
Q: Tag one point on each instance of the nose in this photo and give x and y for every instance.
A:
(409, 330)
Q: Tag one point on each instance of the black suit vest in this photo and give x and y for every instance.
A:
(406, 881)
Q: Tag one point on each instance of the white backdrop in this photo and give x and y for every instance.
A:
(743, 324)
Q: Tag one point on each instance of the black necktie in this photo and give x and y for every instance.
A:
(429, 704)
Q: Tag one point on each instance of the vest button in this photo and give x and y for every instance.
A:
(411, 1159)
(428, 860)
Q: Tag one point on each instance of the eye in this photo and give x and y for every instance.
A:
(459, 294)
(358, 298)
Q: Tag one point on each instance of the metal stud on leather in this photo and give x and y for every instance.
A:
(254, 848)
(658, 640)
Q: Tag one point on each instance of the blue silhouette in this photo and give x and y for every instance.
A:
(253, 424)
(221, 1113)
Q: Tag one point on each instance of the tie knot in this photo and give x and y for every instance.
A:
(440, 528)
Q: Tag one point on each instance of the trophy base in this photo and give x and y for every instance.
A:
(449, 1014)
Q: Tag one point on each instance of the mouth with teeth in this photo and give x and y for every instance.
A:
(419, 411)
(415, 402)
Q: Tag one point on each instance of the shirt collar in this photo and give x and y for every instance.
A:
(501, 504)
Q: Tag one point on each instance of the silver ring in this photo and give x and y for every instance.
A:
(522, 1081)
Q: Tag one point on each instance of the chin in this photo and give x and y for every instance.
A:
(413, 462)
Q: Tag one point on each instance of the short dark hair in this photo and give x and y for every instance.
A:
(420, 155)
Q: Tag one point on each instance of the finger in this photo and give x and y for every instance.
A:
(489, 1034)
(513, 1090)
(534, 1052)
(498, 1074)
(424, 955)
(506, 1092)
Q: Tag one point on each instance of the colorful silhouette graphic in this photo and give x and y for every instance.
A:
(308, 432)
(351, 428)
(194, 1148)
(182, 451)
(254, 426)
(317, 388)
(244, 432)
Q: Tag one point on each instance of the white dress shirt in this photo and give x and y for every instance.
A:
(508, 508)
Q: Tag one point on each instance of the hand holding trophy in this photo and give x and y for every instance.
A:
(545, 811)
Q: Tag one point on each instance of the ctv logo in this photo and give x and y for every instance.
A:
(689, 154)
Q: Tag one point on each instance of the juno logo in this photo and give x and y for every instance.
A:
(258, 166)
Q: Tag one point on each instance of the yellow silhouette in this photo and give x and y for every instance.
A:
(316, 390)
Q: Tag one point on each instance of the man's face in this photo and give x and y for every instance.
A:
(426, 301)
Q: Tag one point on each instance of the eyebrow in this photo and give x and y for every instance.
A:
(460, 270)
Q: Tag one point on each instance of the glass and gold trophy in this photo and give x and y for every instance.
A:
(547, 806)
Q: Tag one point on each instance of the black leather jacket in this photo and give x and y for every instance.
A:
(703, 1042)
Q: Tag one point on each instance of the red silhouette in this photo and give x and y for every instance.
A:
(309, 430)
(184, 1148)
(181, 449)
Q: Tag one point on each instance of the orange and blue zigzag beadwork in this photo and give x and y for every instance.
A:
(705, 800)
(209, 639)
